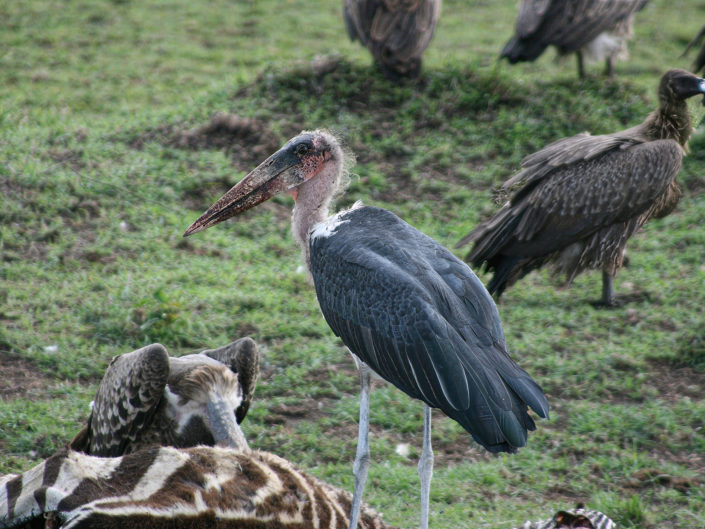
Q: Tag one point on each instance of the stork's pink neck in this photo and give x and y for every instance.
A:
(312, 203)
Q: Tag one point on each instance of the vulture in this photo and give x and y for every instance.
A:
(581, 198)
(699, 62)
(148, 398)
(395, 31)
(598, 29)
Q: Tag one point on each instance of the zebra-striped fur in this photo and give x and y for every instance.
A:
(201, 487)
(579, 518)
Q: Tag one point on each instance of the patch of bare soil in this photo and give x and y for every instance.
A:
(673, 383)
(20, 378)
(648, 478)
(68, 157)
(248, 140)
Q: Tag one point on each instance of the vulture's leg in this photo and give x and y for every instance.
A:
(362, 458)
(426, 466)
(608, 296)
(609, 66)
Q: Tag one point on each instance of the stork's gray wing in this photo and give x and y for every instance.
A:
(403, 27)
(574, 200)
(127, 398)
(422, 320)
(241, 357)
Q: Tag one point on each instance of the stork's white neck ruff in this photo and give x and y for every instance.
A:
(328, 226)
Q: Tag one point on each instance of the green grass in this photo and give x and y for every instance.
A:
(96, 192)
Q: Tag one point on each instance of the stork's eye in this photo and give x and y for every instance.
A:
(301, 149)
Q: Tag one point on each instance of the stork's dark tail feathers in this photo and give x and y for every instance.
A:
(509, 430)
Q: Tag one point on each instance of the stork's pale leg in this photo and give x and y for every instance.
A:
(362, 458)
(426, 467)
(608, 296)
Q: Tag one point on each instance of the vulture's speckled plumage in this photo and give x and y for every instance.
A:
(582, 197)
(598, 28)
(699, 61)
(147, 398)
(395, 31)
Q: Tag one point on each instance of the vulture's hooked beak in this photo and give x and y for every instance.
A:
(280, 172)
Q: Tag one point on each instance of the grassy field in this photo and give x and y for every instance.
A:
(108, 151)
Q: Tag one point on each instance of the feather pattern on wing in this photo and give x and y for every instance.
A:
(578, 200)
(422, 320)
(568, 25)
(127, 399)
(147, 398)
(395, 31)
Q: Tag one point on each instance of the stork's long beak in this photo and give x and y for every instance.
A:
(276, 174)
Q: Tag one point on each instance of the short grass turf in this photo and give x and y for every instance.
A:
(111, 145)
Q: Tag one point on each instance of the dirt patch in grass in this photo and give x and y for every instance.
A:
(673, 383)
(68, 157)
(248, 140)
(647, 478)
(20, 377)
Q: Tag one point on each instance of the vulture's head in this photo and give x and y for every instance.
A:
(678, 85)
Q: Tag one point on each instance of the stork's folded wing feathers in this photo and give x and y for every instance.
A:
(127, 398)
(423, 321)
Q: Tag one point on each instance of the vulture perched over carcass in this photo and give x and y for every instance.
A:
(148, 398)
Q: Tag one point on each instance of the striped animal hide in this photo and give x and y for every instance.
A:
(201, 487)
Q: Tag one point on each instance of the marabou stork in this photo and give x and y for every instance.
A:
(406, 307)
(596, 28)
(581, 198)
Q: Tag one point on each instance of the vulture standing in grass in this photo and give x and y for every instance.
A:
(582, 197)
(407, 308)
(147, 398)
(395, 31)
(699, 62)
(598, 29)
